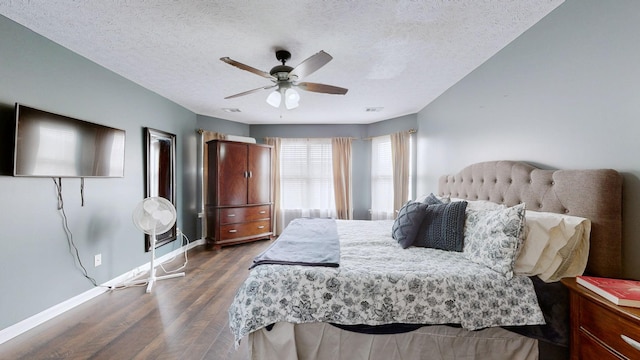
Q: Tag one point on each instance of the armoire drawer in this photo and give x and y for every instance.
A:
(243, 214)
(234, 231)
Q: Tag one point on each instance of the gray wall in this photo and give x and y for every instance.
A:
(39, 270)
(565, 94)
(361, 149)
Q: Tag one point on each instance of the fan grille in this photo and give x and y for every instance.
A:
(154, 215)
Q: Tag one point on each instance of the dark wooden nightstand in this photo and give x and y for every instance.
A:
(600, 329)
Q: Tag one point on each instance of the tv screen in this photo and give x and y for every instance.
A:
(51, 145)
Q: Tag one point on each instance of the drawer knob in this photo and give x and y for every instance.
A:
(261, 227)
(231, 215)
(631, 342)
(233, 231)
(263, 212)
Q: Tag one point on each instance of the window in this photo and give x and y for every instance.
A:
(381, 178)
(382, 175)
(306, 179)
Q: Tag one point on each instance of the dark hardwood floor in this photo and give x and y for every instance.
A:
(183, 318)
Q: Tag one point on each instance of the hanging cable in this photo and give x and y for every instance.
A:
(65, 225)
(59, 192)
(186, 260)
(135, 281)
(81, 191)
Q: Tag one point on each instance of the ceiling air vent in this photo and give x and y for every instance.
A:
(374, 109)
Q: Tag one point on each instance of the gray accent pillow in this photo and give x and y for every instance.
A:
(443, 227)
(432, 200)
(407, 223)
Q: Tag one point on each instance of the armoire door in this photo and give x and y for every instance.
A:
(259, 166)
(232, 174)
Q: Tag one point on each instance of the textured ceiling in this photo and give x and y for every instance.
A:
(394, 55)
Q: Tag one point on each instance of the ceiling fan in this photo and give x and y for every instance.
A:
(286, 79)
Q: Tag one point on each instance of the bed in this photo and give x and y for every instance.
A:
(389, 301)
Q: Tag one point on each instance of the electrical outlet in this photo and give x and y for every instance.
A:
(97, 260)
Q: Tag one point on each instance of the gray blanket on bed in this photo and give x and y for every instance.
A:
(310, 242)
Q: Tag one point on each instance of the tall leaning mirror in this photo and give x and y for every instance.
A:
(161, 175)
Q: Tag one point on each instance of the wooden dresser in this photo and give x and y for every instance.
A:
(599, 327)
(238, 195)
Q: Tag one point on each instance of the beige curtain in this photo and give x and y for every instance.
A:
(400, 154)
(275, 182)
(341, 153)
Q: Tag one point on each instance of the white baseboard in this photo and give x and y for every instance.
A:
(25, 325)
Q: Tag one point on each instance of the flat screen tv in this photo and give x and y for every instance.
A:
(51, 145)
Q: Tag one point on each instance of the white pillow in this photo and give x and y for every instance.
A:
(555, 246)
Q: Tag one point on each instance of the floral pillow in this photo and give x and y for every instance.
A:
(407, 223)
(493, 237)
(431, 199)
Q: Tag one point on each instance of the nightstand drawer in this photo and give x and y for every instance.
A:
(590, 348)
(608, 327)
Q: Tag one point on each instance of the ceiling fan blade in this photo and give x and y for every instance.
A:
(247, 68)
(322, 88)
(251, 91)
(311, 64)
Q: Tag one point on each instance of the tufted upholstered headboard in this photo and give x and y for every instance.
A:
(593, 194)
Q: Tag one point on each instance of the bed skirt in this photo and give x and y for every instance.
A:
(321, 341)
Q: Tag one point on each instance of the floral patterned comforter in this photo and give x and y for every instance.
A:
(378, 283)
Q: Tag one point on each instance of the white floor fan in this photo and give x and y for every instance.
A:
(155, 215)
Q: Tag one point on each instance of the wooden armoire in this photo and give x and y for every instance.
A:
(238, 196)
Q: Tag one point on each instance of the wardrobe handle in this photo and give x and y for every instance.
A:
(250, 174)
(231, 215)
(233, 231)
(631, 342)
(263, 212)
(262, 227)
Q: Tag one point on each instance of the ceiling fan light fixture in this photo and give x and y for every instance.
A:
(274, 99)
(291, 98)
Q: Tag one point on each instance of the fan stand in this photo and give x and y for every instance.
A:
(152, 272)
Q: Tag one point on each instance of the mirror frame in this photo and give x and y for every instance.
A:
(154, 167)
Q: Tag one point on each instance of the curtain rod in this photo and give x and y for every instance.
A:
(410, 131)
